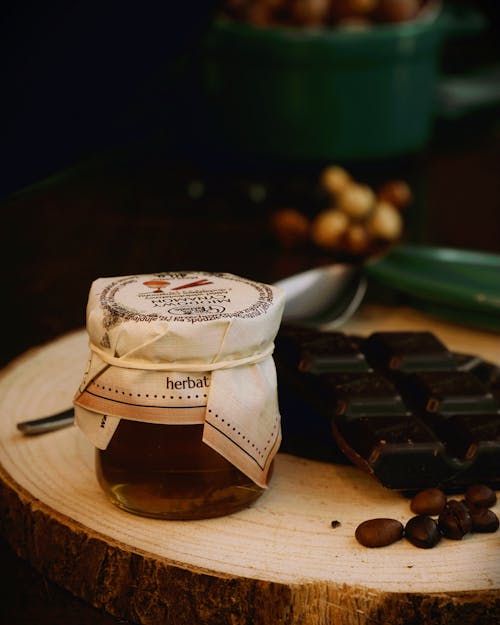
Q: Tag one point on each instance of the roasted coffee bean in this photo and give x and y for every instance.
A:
(379, 532)
(429, 501)
(454, 521)
(422, 531)
(480, 496)
(484, 520)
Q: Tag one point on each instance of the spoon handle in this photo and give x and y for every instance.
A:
(47, 424)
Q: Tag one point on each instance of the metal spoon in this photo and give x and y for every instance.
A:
(47, 424)
(324, 296)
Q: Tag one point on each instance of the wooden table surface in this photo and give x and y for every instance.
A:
(134, 211)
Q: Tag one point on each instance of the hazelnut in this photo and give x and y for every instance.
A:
(352, 8)
(356, 200)
(354, 23)
(259, 15)
(357, 239)
(328, 228)
(396, 192)
(397, 10)
(274, 4)
(334, 179)
(310, 12)
(290, 227)
(385, 222)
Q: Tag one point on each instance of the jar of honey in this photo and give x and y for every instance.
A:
(179, 397)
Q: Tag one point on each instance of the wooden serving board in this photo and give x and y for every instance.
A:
(277, 562)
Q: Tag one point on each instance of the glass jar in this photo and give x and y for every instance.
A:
(179, 397)
(167, 471)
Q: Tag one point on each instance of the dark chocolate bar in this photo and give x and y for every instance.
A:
(417, 415)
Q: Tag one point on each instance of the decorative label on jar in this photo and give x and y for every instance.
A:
(185, 348)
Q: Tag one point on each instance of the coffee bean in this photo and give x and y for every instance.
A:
(454, 521)
(429, 501)
(480, 496)
(484, 520)
(379, 532)
(422, 531)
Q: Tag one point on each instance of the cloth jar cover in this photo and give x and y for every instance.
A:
(185, 348)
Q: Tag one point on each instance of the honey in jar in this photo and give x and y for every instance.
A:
(167, 471)
(179, 397)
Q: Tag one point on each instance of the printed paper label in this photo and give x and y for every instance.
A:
(190, 296)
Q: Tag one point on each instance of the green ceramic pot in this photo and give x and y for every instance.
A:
(319, 95)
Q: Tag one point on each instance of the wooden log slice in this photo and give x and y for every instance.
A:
(277, 562)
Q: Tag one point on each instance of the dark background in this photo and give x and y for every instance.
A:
(82, 77)
(79, 77)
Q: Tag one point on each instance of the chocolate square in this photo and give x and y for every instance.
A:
(449, 391)
(407, 352)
